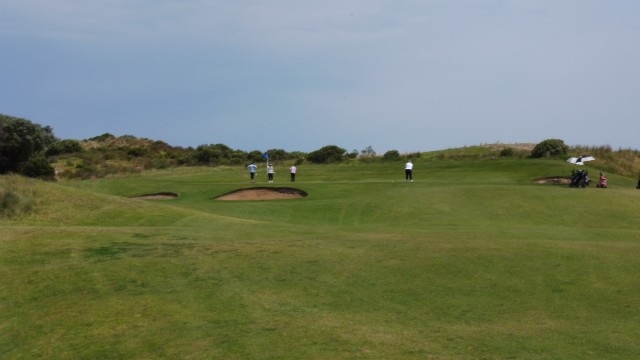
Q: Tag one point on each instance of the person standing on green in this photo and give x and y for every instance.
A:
(270, 172)
(408, 171)
(252, 170)
(293, 169)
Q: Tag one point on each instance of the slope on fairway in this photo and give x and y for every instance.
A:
(54, 205)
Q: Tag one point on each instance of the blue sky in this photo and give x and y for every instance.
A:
(411, 75)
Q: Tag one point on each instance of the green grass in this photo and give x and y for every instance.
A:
(470, 261)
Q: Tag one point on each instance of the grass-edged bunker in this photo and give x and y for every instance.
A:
(554, 180)
(263, 193)
(157, 196)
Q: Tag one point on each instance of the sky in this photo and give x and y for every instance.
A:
(406, 75)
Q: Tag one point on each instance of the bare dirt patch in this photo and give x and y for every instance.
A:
(157, 196)
(554, 180)
(263, 193)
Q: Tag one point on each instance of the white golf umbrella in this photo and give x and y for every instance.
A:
(580, 160)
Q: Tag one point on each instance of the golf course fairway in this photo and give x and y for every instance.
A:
(471, 260)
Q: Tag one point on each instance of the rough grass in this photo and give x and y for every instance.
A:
(17, 199)
(472, 260)
(622, 161)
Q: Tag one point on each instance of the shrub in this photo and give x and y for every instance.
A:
(38, 167)
(327, 154)
(277, 155)
(103, 137)
(137, 152)
(549, 148)
(64, 147)
(391, 155)
(213, 154)
(506, 152)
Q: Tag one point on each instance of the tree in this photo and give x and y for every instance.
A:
(550, 148)
(20, 139)
(327, 154)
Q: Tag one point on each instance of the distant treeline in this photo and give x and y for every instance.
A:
(31, 149)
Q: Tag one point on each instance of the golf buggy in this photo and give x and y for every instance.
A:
(579, 178)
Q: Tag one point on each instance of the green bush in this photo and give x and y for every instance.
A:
(391, 155)
(550, 148)
(38, 167)
(137, 152)
(327, 154)
(64, 147)
(506, 152)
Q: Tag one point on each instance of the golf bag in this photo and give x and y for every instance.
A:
(579, 178)
(602, 183)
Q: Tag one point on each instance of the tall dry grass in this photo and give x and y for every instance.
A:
(17, 198)
(624, 162)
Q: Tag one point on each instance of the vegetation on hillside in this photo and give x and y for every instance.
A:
(33, 150)
(624, 162)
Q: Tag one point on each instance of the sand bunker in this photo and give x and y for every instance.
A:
(157, 196)
(554, 180)
(263, 193)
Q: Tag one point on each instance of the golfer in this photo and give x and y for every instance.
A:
(408, 171)
(252, 171)
(293, 169)
(270, 172)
